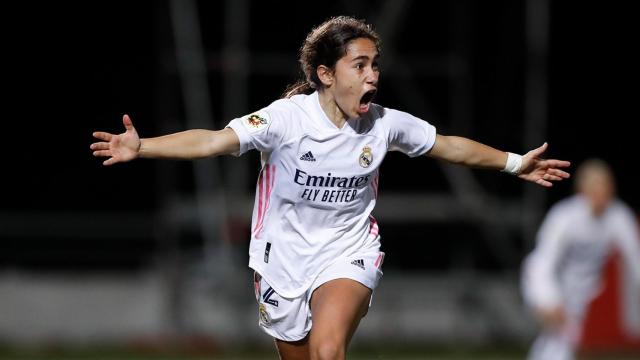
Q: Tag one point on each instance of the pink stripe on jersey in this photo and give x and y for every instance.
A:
(379, 260)
(373, 226)
(260, 191)
(269, 183)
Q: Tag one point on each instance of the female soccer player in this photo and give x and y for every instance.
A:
(315, 247)
(562, 274)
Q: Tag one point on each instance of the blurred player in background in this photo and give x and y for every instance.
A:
(315, 247)
(562, 274)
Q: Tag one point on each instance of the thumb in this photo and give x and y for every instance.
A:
(538, 151)
(128, 124)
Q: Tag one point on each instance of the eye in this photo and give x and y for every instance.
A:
(359, 66)
(375, 66)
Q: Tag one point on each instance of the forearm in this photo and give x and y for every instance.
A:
(541, 289)
(190, 144)
(463, 151)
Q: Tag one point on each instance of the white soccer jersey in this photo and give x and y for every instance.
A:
(318, 184)
(572, 244)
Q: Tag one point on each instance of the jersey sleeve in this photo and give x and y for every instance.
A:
(540, 282)
(409, 134)
(262, 130)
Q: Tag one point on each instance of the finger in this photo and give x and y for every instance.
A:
(543, 182)
(128, 124)
(99, 146)
(558, 163)
(102, 135)
(102, 153)
(109, 161)
(560, 173)
(537, 152)
(551, 177)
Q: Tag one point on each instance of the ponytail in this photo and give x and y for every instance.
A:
(300, 87)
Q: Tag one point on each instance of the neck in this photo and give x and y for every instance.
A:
(331, 108)
(598, 209)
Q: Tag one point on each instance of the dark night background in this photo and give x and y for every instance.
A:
(74, 68)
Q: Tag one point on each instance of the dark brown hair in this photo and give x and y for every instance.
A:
(325, 45)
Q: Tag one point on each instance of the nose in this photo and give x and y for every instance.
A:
(372, 76)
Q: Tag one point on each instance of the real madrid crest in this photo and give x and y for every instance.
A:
(264, 316)
(366, 157)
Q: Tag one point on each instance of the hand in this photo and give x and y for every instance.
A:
(120, 148)
(542, 171)
(552, 318)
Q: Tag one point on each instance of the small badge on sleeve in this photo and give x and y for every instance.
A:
(256, 121)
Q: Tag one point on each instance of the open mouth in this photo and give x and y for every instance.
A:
(366, 99)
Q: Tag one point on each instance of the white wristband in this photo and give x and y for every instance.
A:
(514, 163)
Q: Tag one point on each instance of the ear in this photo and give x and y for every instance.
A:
(325, 75)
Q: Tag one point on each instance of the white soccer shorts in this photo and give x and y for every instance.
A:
(290, 319)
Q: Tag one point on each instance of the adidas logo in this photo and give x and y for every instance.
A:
(307, 157)
(359, 263)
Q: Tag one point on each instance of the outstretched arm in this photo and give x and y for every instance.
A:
(190, 144)
(463, 151)
(540, 278)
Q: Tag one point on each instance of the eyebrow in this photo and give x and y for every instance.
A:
(364, 57)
